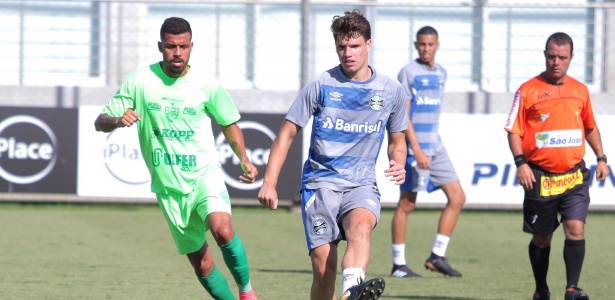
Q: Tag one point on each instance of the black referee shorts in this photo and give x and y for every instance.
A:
(564, 193)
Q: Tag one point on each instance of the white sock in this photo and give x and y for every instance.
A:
(399, 254)
(440, 245)
(351, 277)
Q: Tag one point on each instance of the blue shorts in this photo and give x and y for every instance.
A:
(564, 193)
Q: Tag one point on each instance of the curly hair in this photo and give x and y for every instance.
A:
(175, 26)
(351, 25)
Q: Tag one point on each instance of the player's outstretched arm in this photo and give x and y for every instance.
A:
(234, 137)
(106, 123)
(398, 152)
(268, 196)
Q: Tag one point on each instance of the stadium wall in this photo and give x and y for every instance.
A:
(54, 155)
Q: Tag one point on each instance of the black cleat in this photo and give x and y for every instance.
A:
(439, 264)
(542, 295)
(575, 293)
(367, 290)
(403, 272)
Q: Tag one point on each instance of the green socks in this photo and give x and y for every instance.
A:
(236, 260)
(216, 285)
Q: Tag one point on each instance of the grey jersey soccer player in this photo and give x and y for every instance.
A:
(171, 103)
(351, 105)
(428, 166)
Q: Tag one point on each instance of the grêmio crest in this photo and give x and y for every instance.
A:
(376, 102)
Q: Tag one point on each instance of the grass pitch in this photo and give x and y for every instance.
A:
(126, 252)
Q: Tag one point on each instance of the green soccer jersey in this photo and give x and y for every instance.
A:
(175, 132)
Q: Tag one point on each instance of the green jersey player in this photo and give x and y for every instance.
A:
(171, 103)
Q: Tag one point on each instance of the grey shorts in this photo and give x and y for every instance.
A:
(441, 172)
(323, 209)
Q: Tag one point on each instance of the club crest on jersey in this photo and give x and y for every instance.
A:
(376, 102)
(319, 226)
(172, 113)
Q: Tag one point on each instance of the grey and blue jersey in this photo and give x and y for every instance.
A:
(425, 88)
(350, 118)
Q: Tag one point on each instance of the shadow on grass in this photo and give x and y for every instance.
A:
(284, 271)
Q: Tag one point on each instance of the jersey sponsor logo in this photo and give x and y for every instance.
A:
(427, 101)
(336, 96)
(173, 159)
(343, 125)
(28, 149)
(559, 138)
(543, 95)
(512, 114)
(171, 113)
(259, 155)
(557, 185)
(154, 106)
(319, 226)
(122, 157)
(189, 111)
(171, 134)
(376, 102)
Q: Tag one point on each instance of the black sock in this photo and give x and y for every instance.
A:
(574, 254)
(539, 258)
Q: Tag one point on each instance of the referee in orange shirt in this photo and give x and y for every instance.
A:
(550, 120)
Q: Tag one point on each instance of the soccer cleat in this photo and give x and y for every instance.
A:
(247, 296)
(403, 272)
(542, 295)
(575, 293)
(367, 290)
(439, 264)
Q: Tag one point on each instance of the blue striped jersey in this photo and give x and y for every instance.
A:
(350, 119)
(425, 88)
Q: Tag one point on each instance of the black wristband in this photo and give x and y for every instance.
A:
(519, 160)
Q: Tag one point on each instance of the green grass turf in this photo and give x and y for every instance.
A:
(126, 252)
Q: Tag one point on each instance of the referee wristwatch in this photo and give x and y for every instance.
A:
(601, 158)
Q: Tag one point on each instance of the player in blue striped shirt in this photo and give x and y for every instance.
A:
(352, 105)
(428, 166)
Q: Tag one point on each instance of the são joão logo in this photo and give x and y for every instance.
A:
(258, 138)
(28, 149)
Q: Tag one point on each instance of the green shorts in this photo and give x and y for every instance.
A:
(186, 213)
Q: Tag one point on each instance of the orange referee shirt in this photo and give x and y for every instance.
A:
(551, 121)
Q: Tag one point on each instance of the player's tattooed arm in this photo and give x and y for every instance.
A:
(107, 123)
(234, 137)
